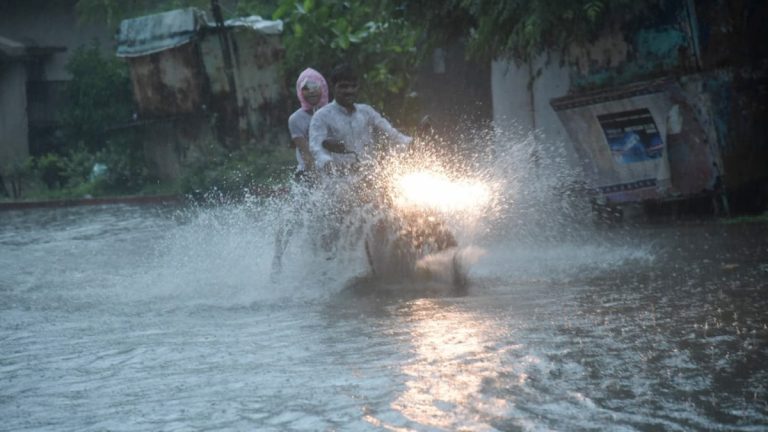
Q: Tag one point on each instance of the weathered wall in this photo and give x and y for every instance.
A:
(169, 83)
(13, 114)
(172, 97)
(54, 25)
(191, 98)
(521, 95)
(646, 140)
(260, 94)
(709, 47)
(172, 144)
(619, 58)
(50, 36)
(455, 92)
(251, 114)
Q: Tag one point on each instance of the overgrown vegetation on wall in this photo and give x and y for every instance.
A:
(376, 37)
(386, 40)
(521, 29)
(373, 36)
(84, 160)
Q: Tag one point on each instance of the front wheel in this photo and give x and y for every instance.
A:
(395, 250)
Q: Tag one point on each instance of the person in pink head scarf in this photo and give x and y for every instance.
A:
(312, 92)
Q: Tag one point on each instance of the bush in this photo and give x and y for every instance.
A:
(50, 169)
(126, 171)
(98, 96)
(15, 174)
(235, 175)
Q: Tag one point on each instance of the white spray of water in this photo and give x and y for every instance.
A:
(536, 220)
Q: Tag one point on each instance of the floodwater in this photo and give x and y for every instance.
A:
(127, 318)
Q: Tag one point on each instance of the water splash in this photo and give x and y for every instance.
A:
(534, 219)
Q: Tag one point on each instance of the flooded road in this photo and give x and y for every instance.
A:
(142, 318)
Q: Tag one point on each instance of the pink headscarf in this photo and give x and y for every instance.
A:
(310, 74)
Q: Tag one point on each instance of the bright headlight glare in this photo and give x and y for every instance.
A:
(436, 191)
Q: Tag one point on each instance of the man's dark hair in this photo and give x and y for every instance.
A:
(343, 72)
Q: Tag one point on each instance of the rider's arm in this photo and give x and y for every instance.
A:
(380, 123)
(303, 146)
(318, 132)
(299, 131)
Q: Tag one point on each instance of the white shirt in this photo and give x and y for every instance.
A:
(298, 126)
(356, 129)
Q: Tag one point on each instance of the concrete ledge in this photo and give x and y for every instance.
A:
(159, 199)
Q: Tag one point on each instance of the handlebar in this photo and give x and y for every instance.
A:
(338, 147)
(335, 146)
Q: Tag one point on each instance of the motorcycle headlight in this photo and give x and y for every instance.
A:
(425, 190)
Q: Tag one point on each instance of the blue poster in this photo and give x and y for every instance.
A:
(632, 136)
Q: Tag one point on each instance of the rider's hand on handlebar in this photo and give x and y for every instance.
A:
(334, 145)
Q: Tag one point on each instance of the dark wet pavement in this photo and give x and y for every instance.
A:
(131, 318)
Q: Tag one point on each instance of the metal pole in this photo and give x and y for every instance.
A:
(228, 70)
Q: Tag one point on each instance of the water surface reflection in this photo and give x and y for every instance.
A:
(454, 354)
(123, 318)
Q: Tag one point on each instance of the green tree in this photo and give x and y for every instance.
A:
(112, 12)
(373, 36)
(524, 28)
(98, 96)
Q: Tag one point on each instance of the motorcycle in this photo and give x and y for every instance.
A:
(407, 201)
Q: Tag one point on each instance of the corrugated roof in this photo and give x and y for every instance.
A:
(154, 33)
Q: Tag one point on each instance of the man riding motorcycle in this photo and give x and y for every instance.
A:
(345, 124)
(343, 141)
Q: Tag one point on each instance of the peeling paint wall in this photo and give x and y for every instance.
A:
(186, 102)
(176, 142)
(712, 53)
(256, 59)
(260, 90)
(169, 83)
(646, 140)
(612, 60)
(521, 103)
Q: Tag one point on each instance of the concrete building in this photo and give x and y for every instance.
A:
(36, 41)
(673, 108)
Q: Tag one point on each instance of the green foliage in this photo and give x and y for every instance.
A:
(372, 36)
(263, 8)
(112, 12)
(15, 173)
(74, 170)
(237, 174)
(126, 170)
(50, 169)
(524, 28)
(75, 165)
(739, 220)
(99, 95)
